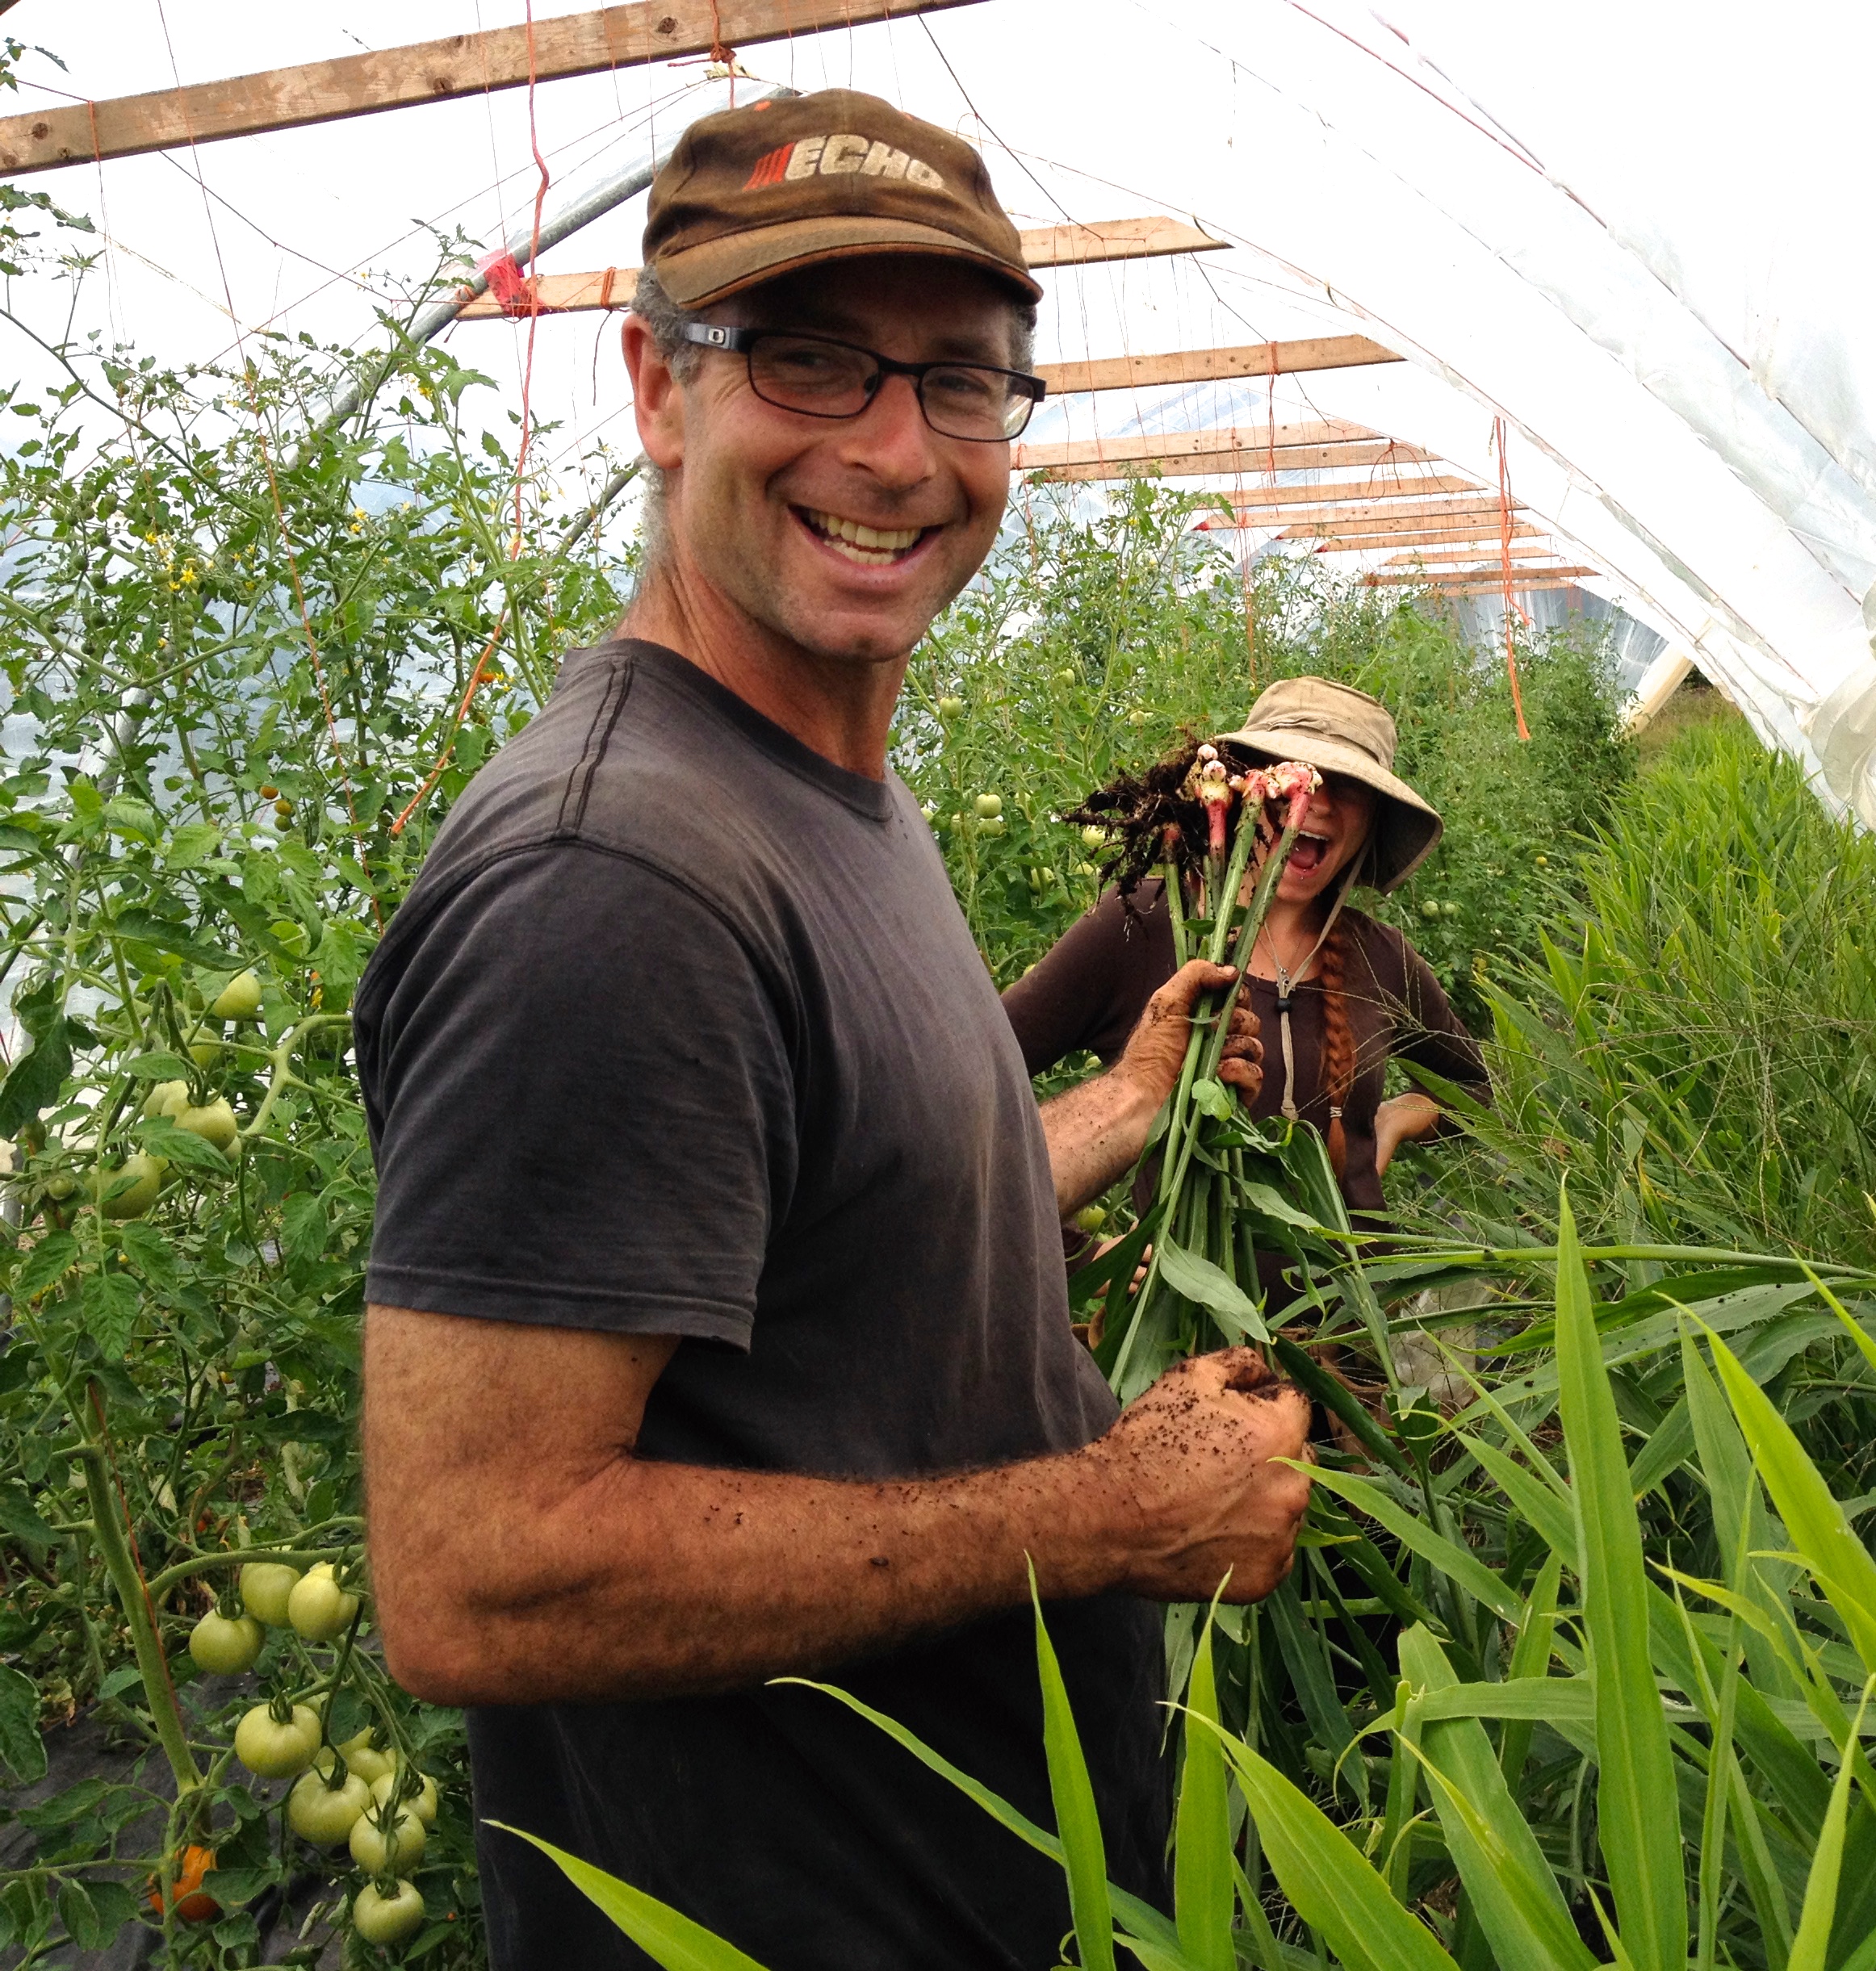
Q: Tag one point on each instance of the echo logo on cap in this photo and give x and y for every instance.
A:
(834, 156)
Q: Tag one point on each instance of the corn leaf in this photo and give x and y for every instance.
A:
(1641, 1844)
(1329, 1883)
(1204, 1897)
(668, 1939)
(1813, 1519)
(1084, 1859)
(1452, 1559)
(1515, 1895)
(1212, 1288)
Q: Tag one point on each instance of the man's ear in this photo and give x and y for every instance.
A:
(657, 397)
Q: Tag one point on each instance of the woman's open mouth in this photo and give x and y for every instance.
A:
(1308, 852)
(870, 548)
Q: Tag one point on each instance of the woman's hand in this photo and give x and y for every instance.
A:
(1404, 1119)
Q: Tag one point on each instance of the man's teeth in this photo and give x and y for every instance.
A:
(873, 547)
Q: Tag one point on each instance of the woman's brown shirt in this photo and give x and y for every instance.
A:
(1090, 989)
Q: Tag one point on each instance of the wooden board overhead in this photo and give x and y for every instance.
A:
(1432, 557)
(1492, 583)
(1046, 246)
(1291, 458)
(1430, 514)
(1370, 490)
(396, 79)
(1443, 537)
(1165, 447)
(1213, 366)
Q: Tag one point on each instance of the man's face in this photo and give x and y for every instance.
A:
(761, 497)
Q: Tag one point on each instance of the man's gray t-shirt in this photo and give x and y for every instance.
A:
(680, 1031)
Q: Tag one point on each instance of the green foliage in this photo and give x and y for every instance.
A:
(235, 635)
(1088, 645)
(1696, 1047)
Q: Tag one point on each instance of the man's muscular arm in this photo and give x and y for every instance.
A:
(522, 1553)
(1096, 1131)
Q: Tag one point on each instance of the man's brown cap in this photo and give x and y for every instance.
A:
(754, 193)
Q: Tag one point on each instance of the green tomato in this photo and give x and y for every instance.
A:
(205, 1053)
(318, 1608)
(949, 708)
(225, 1647)
(423, 1803)
(239, 999)
(376, 1848)
(388, 1919)
(364, 1759)
(272, 1750)
(1093, 838)
(992, 828)
(1090, 1218)
(166, 1099)
(266, 1586)
(988, 806)
(60, 1184)
(130, 1189)
(1429, 908)
(321, 1813)
(214, 1122)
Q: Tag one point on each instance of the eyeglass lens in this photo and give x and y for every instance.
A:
(831, 379)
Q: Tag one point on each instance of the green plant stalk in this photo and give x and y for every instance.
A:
(152, 1666)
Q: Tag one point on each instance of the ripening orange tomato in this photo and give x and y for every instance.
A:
(191, 1903)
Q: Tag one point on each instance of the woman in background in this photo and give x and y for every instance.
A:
(1338, 994)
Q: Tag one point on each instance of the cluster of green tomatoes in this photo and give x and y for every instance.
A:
(354, 1795)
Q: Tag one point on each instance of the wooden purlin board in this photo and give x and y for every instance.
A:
(1484, 539)
(1295, 458)
(1214, 365)
(1519, 550)
(396, 79)
(1363, 517)
(1382, 527)
(1046, 246)
(1521, 585)
(1489, 575)
(1325, 492)
(1166, 447)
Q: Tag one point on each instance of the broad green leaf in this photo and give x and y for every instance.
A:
(1329, 1883)
(1641, 1844)
(667, 1937)
(1203, 1893)
(1462, 1566)
(1547, 1511)
(21, 1747)
(18, 1518)
(1559, 1700)
(1530, 1662)
(1076, 1819)
(162, 1138)
(158, 1067)
(1812, 1517)
(109, 1301)
(1515, 1895)
(1212, 1288)
(47, 1261)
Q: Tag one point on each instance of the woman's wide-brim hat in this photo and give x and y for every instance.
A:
(1337, 729)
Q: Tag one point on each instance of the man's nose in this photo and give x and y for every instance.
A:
(890, 439)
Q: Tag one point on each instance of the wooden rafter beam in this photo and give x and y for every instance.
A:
(1483, 520)
(1165, 447)
(1406, 516)
(1215, 365)
(1046, 246)
(1493, 585)
(1491, 577)
(1293, 459)
(1325, 492)
(1482, 538)
(1430, 557)
(396, 79)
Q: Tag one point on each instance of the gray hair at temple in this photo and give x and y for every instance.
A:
(668, 321)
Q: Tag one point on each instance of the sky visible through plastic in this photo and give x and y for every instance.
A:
(1641, 233)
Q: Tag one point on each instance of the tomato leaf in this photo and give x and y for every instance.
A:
(21, 1747)
(110, 1302)
(162, 1138)
(48, 1261)
(158, 1068)
(19, 1518)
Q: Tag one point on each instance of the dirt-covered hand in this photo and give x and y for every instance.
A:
(1156, 1048)
(1197, 1493)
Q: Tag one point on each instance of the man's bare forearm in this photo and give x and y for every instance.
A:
(1096, 1131)
(658, 1579)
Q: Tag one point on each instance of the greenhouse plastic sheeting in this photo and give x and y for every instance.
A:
(1690, 404)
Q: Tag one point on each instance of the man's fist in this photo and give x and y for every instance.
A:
(1197, 1494)
(1156, 1048)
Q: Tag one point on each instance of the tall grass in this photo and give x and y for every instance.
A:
(1698, 1049)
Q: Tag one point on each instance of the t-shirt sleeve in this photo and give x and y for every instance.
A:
(582, 1102)
(1429, 1033)
(1088, 989)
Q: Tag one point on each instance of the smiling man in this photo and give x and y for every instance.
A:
(717, 1328)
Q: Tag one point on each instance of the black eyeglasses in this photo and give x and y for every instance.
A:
(821, 377)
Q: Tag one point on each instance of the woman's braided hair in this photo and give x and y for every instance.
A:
(1338, 1062)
